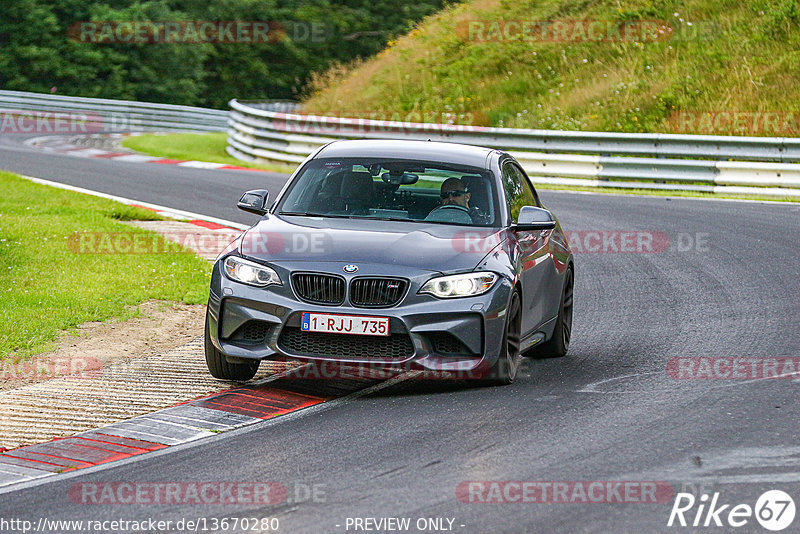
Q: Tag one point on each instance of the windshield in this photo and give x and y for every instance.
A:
(403, 190)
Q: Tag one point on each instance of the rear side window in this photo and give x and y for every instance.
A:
(518, 190)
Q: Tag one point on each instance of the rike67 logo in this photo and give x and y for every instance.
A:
(774, 510)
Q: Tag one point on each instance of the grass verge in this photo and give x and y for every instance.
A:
(47, 288)
(197, 147)
(699, 61)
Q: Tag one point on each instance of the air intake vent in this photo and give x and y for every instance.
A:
(252, 332)
(377, 292)
(345, 347)
(446, 343)
(319, 288)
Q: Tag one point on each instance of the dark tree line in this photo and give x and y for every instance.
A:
(40, 48)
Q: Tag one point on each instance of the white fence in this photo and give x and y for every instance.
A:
(43, 113)
(271, 132)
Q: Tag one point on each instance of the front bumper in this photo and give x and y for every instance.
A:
(461, 334)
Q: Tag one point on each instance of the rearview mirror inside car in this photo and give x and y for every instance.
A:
(400, 179)
(533, 218)
(254, 201)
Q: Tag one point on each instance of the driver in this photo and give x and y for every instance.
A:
(454, 192)
(455, 203)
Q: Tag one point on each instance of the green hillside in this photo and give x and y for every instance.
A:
(682, 67)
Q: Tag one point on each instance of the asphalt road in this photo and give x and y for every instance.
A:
(607, 412)
(197, 190)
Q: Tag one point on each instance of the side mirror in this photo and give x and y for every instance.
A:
(254, 201)
(533, 218)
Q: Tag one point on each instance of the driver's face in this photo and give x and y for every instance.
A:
(457, 196)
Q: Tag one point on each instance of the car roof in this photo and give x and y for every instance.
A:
(459, 154)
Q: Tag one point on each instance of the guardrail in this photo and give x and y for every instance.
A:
(271, 132)
(29, 113)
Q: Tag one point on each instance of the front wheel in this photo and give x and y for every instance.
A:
(505, 368)
(220, 368)
(558, 344)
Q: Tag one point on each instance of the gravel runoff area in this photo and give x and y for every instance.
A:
(126, 369)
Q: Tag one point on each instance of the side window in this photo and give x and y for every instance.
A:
(518, 191)
(529, 191)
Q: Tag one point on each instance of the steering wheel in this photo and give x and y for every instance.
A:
(451, 207)
(450, 213)
(478, 215)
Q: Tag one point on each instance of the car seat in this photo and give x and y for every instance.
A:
(357, 192)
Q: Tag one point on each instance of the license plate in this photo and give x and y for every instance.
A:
(345, 324)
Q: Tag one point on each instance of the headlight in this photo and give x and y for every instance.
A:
(460, 285)
(250, 273)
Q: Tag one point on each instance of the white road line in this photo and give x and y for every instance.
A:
(87, 152)
(128, 201)
(592, 388)
(202, 164)
(731, 383)
(135, 158)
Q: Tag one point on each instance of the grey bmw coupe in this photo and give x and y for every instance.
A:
(399, 254)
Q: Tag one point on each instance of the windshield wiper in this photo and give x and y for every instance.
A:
(401, 219)
(397, 219)
(309, 214)
(365, 217)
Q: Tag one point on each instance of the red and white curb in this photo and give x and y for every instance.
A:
(191, 421)
(63, 145)
(198, 419)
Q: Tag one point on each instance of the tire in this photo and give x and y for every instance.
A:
(505, 368)
(219, 367)
(558, 344)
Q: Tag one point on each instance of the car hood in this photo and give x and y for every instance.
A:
(423, 246)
